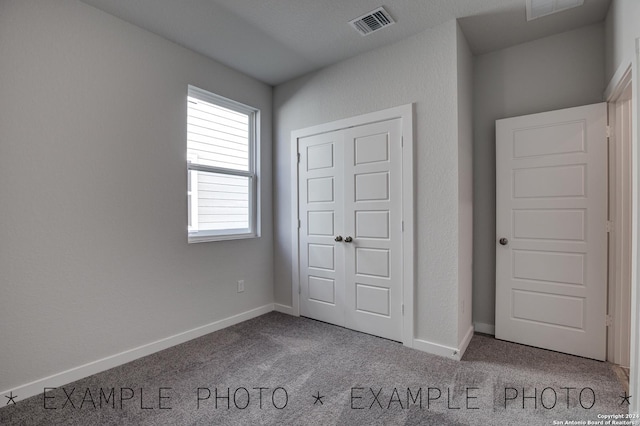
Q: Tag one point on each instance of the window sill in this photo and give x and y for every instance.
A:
(204, 238)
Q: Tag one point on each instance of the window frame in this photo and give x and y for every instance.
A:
(253, 231)
(192, 197)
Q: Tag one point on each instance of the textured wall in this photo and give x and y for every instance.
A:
(93, 245)
(421, 69)
(556, 72)
(465, 184)
(622, 30)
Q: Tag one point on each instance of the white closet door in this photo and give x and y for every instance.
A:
(373, 219)
(321, 199)
(350, 208)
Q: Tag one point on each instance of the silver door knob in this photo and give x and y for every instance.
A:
(348, 240)
(338, 238)
(503, 241)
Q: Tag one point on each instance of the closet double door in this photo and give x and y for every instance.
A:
(350, 230)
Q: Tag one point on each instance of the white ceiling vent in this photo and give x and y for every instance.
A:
(372, 21)
(539, 8)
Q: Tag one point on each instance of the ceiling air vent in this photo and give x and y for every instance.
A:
(539, 8)
(372, 21)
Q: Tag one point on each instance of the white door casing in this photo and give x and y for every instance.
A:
(350, 184)
(634, 373)
(551, 206)
(620, 193)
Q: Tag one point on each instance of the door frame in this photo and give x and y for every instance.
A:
(634, 376)
(620, 194)
(405, 113)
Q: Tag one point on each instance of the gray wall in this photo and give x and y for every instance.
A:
(622, 30)
(556, 72)
(465, 184)
(421, 69)
(93, 253)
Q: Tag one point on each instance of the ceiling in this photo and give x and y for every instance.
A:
(277, 40)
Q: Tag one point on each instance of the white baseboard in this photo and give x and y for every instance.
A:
(59, 379)
(442, 350)
(485, 328)
(435, 348)
(37, 387)
(283, 308)
(465, 341)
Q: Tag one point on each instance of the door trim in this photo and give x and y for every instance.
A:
(405, 113)
(634, 382)
(620, 194)
(631, 62)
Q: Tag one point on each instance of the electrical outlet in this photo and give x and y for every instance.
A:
(240, 286)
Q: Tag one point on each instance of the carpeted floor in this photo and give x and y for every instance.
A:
(275, 364)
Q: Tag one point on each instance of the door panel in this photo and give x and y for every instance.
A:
(549, 224)
(322, 290)
(551, 206)
(372, 224)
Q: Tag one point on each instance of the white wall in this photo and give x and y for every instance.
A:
(421, 69)
(465, 184)
(560, 71)
(622, 28)
(93, 245)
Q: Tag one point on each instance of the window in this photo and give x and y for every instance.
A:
(222, 190)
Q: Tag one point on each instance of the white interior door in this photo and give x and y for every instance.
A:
(350, 237)
(373, 219)
(551, 245)
(321, 200)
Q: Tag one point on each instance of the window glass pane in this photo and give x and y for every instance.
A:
(223, 202)
(217, 136)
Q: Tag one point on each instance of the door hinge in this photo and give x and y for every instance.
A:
(609, 131)
(298, 158)
(608, 321)
(610, 226)
(299, 290)
(402, 142)
(403, 309)
(403, 226)
(299, 224)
